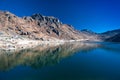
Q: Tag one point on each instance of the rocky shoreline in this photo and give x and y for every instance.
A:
(10, 43)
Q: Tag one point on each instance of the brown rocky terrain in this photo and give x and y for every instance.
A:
(29, 31)
(39, 27)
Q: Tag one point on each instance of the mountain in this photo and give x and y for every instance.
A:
(109, 36)
(112, 36)
(87, 31)
(115, 38)
(46, 28)
(39, 27)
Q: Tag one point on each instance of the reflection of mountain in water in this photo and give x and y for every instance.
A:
(42, 55)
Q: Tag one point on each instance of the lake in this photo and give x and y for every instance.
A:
(71, 61)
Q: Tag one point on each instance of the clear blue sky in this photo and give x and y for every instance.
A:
(96, 15)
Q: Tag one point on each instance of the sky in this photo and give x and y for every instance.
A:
(96, 15)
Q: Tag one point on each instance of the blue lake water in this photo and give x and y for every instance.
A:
(71, 61)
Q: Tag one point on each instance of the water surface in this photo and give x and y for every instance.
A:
(71, 61)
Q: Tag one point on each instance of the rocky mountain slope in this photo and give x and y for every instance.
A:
(111, 33)
(47, 28)
(112, 36)
(115, 38)
(39, 27)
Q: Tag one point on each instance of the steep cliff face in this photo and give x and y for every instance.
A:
(11, 25)
(39, 27)
(51, 26)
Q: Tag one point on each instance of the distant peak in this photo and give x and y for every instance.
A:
(87, 30)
